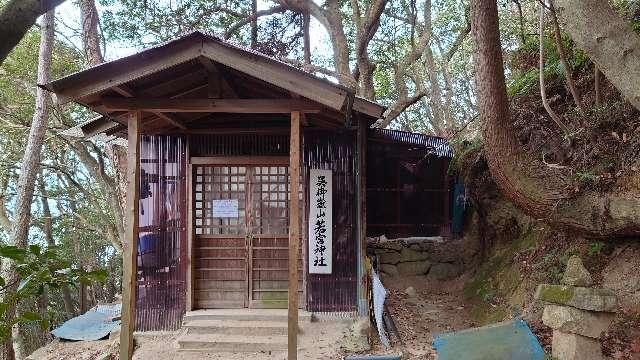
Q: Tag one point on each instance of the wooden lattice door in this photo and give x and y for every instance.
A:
(241, 260)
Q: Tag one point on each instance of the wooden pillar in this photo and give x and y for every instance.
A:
(361, 215)
(130, 247)
(294, 234)
(190, 229)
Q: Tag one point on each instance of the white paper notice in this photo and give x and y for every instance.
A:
(320, 221)
(227, 208)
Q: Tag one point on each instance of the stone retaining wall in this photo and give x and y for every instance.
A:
(434, 257)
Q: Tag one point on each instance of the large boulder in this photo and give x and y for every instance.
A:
(411, 255)
(578, 297)
(575, 321)
(413, 267)
(576, 274)
(389, 269)
(390, 257)
(567, 346)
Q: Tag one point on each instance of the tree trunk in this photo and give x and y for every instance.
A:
(47, 229)
(30, 166)
(538, 190)
(607, 39)
(543, 90)
(90, 37)
(577, 99)
(597, 78)
(17, 17)
(117, 154)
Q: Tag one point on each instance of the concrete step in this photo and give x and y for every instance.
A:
(243, 315)
(236, 327)
(231, 343)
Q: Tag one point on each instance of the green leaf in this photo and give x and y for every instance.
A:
(25, 282)
(31, 316)
(3, 283)
(12, 252)
(35, 249)
(98, 275)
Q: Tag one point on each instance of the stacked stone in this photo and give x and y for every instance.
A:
(438, 259)
(577, 313)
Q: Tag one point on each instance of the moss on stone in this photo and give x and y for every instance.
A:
(557, 294)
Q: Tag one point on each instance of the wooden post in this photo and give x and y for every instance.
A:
(130, 247)
(190, 229)
(361, 217)
(294, 234)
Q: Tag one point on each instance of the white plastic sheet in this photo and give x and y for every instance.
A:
(379, 295)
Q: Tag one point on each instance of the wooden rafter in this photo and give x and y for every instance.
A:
(128, 93)
(215, 74)
(243, 106)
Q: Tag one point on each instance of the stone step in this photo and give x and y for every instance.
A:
(243, 315)
(236, 327)
(231, 343)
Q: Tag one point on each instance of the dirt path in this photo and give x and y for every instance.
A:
(437, 307)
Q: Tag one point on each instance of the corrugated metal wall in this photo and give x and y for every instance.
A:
(335, 151)
(162, 248)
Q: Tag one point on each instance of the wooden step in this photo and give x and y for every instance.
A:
(231, 343)
(244, 315)
(236, 327)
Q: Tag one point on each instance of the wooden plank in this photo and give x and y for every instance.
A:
(113, 73)
(240, 160)
(368, 107)
(129, 255)
(294, 235)
(277, 74)
(214, 72)
(243, 106)
(128, 93)
(361, 219)
(190, 230)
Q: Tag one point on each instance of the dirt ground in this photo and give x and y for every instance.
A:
(318, 340)
(438, 307)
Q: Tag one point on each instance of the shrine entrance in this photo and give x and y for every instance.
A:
(241, 227)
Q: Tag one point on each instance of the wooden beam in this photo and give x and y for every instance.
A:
(128, 93)
(368, 107)
(294, 234)
(214, 72)
(130, 247)
(239, 160)
(123, 70)
(245, 106)
(272, 71)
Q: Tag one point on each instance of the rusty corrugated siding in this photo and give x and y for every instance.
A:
(335, 292)
(162, 250)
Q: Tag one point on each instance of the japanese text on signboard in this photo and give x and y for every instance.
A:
(320, 221)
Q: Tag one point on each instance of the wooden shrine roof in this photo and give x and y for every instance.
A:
(198, 82)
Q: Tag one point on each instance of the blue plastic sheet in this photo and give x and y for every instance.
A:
(509, 340)
(92, 325)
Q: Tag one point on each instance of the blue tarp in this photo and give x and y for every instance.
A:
(92, 325)
(509, 340)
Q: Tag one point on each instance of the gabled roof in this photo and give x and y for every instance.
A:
(82, 85)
